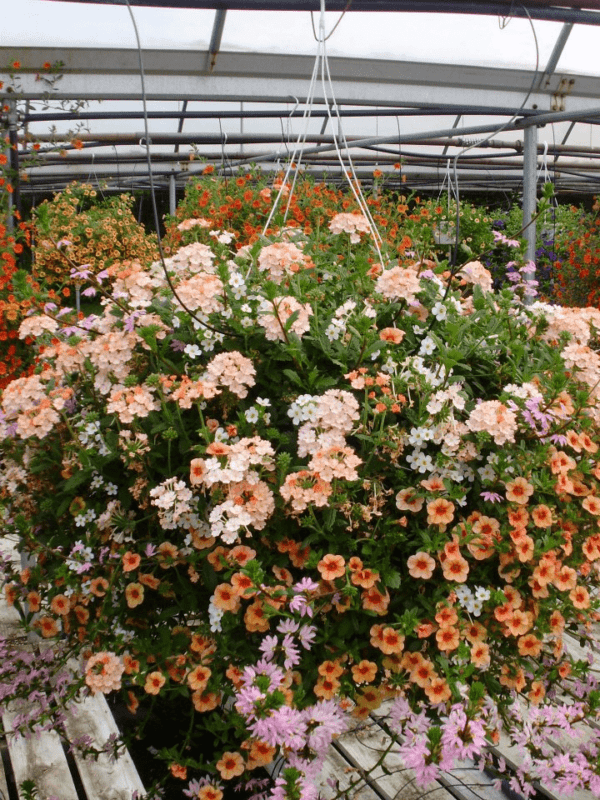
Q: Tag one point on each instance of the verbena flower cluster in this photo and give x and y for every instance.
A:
(287, 485)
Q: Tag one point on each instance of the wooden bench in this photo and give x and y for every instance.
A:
(43, 759)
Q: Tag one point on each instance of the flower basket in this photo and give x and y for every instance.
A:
(301, 480)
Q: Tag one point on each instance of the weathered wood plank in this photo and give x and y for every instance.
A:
(338, 775)
(102, 778)
(3, 783)
(363, 748)
(40, 758)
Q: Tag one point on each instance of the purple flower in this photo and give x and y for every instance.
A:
(491, 497)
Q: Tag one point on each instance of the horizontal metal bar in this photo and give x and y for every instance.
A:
(565, 12)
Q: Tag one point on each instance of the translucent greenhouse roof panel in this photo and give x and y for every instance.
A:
(436, 37)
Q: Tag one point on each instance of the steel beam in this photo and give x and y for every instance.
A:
(580, 12)
(113, 74)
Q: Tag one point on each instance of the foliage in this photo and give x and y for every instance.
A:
(290, 481)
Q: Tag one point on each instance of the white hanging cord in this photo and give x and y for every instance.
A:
(297, 147)
(353, 182)
(544, 164)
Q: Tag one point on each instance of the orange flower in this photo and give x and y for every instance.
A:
(425, 629)
(369, 698)
(131, 561)
(542, 516)
(456, 569)
(557, 622)
(423, 673)
(513, 678)
(407, 500)
(591, 504)
(205, 702)
(391, 641)
(177, 771)
(525, 548)
(520, 622)
(154, 682)
(330, 669)
(210, 793)
(148, 580)
(529, 645)
(226, 597)
(365, 578)
(421, 565)
(98, 587)
(580, 597)
(519, 491)
(536, 693)
(475, 632)
(440, 512)
(34, 600)
(566, 579)
(133, 703)
(480, 654)
(325, 688)
(47, 626)
(374, 600)
(331, 567)
(198, 678)
(446, 616)
(134, 594)
(132, 665)
(242, 585)
(60, 604)
(518, 517)
(230, 765)
(447, 638)
(255, 618)
(392, 335)
(364, 672)
(355, 563)
(438, 691)
(260, 754)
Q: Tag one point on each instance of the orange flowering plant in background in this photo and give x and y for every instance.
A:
(276, 483)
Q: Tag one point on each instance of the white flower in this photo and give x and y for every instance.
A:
(427, 346)
(221, 435)
(251, 415)
(246, 322)
(486, 473)
(334, 330)
(439, 311)
(263, 402)
(390, 366)
(418, 436)
(192, 350)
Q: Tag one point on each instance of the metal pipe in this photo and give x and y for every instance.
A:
(403, 111)
(529, 190)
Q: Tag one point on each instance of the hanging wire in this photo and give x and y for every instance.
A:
(152, 188)
(504, 125)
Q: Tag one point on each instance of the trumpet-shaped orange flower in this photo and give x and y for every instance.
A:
(331, 567)
(421, 565)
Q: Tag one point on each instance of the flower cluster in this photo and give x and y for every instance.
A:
(292, 480)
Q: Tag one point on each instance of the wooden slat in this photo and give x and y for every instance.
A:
(337, 768)
(102, 778)
(40, 758)
(363, 747)
(3, 783)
